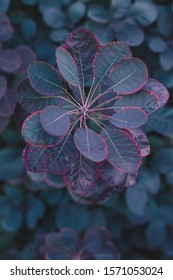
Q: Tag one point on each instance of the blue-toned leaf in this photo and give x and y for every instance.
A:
(4, 5)
(129, 118)
(136, 200)
(142, 140)
(129, 33)
(143, 99)
(149, 181)
(34, 211)
(27, 56)
(120, 8)
(32, 100)
(165, 21)
(35, 158)
(157, 44)
(6, 29)
(28, 28)
(90, 144)
(54, 17)
(11, 164)
(107, 57)
(3, 86)
(60, 157)
(162, 161)
(166, 59)
(144, 13)
(55, 120)
(12, 219)
(76, 11)
(44, 78)
(10, 60)
(83, 46)
(34, 133)
(82, 175)
(128, 76)
(59, 36)
(7, 103)
(67, 66)
(55, 180)
(155, 233)
(123, 151)
(98, 14)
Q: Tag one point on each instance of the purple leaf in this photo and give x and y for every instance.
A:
(107, 57)
(55, 120)
(143, 99)
(7, 103)
(10, 60)
(61, 156)
(67, 66)
(44, 78)
(83, 46)
(90, 144)
(35, 158)
(142, 140)
(3, 123)
(123, 151)
(6, 29)
(34, 133)
(128, 76)
(27, 56)
(82, 175)
(158, 89)
(129, 118)
(3, 86)
(32, 100)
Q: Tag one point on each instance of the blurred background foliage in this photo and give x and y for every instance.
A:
(38, 213)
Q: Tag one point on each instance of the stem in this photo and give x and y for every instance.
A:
(64, 90)
(93, 81)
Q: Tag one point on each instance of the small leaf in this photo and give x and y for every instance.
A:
(31, 100)
(76, 11)
(3, 86)
(162, 161)
(82, 175)
(34, 158)
(54, 17)
(67, 66)
(156, 233)
(6, 29)
(55, 120)
(129, 118)
(90, 144)
(157, 44)
(60, 157)
(128, 76)
(98, 14)
(166, 59)
(10, 60)
(123, 151)
(44, 78)
(34, 133)
(144, 13)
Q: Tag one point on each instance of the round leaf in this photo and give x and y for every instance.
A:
(10, 60)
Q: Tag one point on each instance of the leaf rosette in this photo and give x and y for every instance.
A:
(87, 112)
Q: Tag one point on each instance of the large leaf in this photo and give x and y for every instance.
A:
(32, 100)
(34, 133)
(67, 66)
(128, 76)
(143, 99)
(83, 46)
(82, 175)
(44, 78)
(123, 151)
(158, 89)
(55, 120)
(90, 144)
(60, 157)
(129, 118)
(34, 158)
(142, 140)
(3, 85)
(107, 57)
(10, 60)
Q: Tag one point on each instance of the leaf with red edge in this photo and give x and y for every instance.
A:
(83, 46)
(90, 144)
(143, 99)
(10, 60)
(107, 57)
(45, 79)
(7, 103)
(123, 150)
(55, 120)
(82, 175)
(67, 66)
(142, 140)
(159, 89)
(3, 86)
(35, 158)
(61, 156)
(34, 133)
(128, 76)
(32, 100)
(129, 118)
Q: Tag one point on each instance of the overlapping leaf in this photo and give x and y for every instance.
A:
(35, 158)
